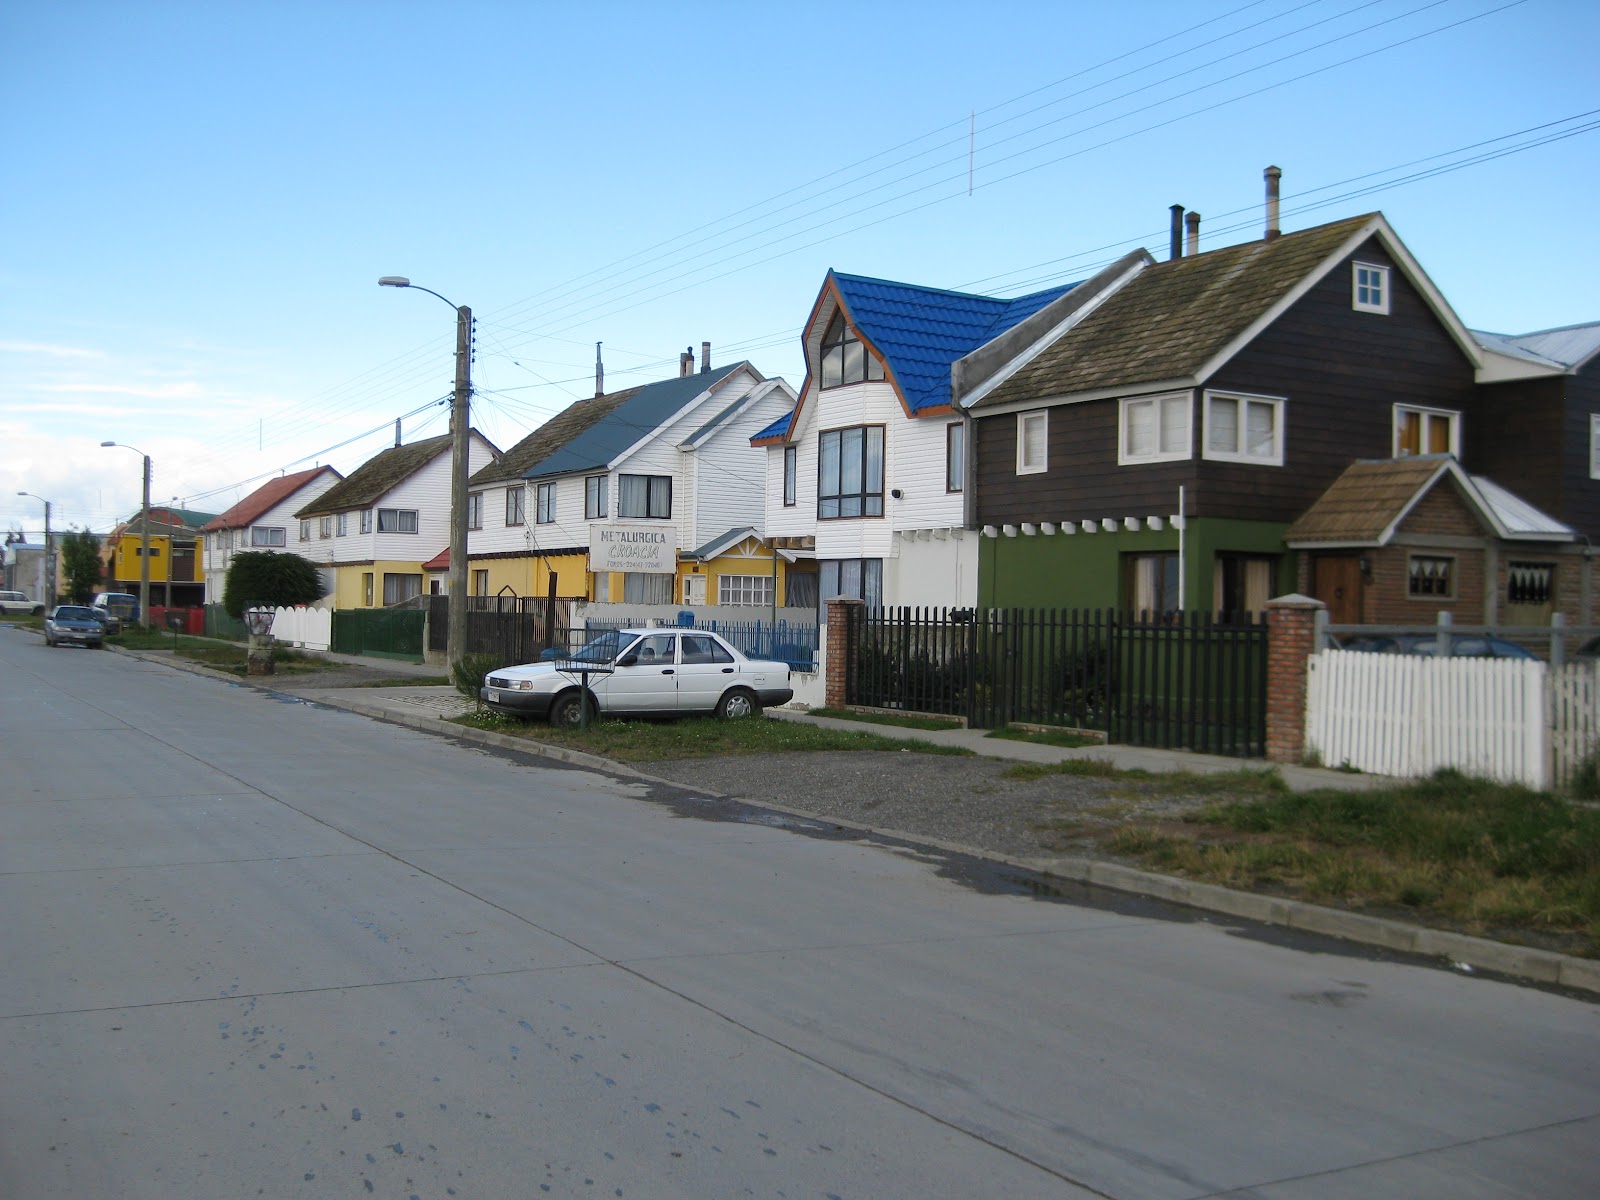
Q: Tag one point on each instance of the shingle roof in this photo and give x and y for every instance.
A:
(920, 331)
(378, 475)
(590, 434)
(1174, 317)
(1361, 505)
(269, 494)
(1364, 505)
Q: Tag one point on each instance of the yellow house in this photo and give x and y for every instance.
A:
(175, 575)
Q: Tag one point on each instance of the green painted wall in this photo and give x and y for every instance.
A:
(1084, 570)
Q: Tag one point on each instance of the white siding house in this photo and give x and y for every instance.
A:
(263, 520)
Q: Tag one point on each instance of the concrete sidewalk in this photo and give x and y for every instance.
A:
(446, 702)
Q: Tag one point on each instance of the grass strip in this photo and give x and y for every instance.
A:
(1045, 737)
(845, 714)
(1486, 857)
(699, 737)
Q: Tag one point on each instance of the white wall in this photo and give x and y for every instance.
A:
(931, 571)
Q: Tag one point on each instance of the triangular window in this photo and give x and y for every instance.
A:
(844, 359)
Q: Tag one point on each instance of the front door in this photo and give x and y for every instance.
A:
(1336, 581)
(694, 590)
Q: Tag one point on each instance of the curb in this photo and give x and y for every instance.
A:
(1458, 949)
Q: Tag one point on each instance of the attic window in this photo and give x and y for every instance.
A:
(1369, 286)
(1431, 578)
(844, 359)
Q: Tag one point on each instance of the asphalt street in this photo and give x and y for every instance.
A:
(259, 947)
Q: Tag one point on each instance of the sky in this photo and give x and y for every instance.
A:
(199, 198)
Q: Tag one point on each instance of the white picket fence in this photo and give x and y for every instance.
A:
(1514, 720)
(309, 628)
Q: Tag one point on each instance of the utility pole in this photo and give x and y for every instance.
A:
(49, 562)
(460, 440)
(144, 551)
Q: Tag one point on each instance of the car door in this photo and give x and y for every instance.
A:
(705, 669)
(645, 678)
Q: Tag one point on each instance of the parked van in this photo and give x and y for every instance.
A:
(117, 609)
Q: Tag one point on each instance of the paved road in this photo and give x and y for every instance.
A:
(257, 947)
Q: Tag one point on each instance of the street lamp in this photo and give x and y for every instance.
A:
(49, 562)
(456, 642)
(144, 538)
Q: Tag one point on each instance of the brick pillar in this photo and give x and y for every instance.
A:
(843, 614)
(1291, 621)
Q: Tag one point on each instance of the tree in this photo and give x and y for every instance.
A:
(266, 579)
(80, 560)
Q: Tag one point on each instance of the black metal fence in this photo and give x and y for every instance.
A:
(1193, 681)
(511, 628)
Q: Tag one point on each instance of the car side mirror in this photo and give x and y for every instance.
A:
(628, 660)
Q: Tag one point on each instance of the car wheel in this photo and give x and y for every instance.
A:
(48, 640)
(38, 610)
(737, 704)
(566, 713)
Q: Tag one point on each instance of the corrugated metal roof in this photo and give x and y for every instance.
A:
(1569, 346)
(778, 428)
(1517, 515)
(643, 410)
(269, 494)
(920, 331)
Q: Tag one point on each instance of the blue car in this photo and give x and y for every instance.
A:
(74, 623)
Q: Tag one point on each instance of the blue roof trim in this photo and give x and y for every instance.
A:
(778, 428)
(921, 331)
(642, 413)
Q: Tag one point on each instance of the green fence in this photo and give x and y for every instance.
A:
(220, 625)
(380, 632)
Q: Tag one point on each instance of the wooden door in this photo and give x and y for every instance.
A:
(1336, 581)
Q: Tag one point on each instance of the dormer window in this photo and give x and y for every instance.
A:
(1369, 288)
(844, 359)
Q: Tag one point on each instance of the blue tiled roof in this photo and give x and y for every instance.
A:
(921, 331)
(777, 429)
(642, 412)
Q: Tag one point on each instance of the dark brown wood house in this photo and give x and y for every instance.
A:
(1152, 450)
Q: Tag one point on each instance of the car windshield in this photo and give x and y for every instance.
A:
(604, 648)
(74, 614)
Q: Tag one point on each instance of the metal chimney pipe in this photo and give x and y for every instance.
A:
(599, 373)
(1192, 220)
(397, 431)
(1272, 175)
(1177, 232)
(705, 357)
(685, 363)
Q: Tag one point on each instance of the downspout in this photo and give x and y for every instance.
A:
(1183, 523)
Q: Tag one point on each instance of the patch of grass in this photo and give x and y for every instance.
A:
(698, 737)
(1047, 737)
(134, 637)
(1099, 768)
(844, 714)
(1464, 852)
(405, 681)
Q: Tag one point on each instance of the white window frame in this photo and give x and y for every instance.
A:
(474, 510)
(398, 517)
(1452, 414)
(1243, 400)
(325, 527)
(1024, 420)
(305, 530)
(366, 522)
(791, 475)
(516, 505)
(1157, 402)
(745, 591)
(544, 512)
(1363, 285)
(262, 535)
(1594, 445)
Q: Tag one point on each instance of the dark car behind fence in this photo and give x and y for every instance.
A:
(1194, 681)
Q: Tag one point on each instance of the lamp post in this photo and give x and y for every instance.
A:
(144, 537)
(456, 642)
(49, 561)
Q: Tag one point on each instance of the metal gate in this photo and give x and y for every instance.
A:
(1192, 681)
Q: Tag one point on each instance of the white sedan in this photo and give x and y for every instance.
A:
(641, 673)
(18, 602)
